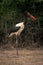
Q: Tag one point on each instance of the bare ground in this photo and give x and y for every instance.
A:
(25, 57)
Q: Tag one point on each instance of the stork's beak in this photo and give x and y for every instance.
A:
(31, 16)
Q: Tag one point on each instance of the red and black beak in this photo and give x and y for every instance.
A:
(31, 16)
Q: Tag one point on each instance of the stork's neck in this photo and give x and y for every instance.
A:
(25, 21)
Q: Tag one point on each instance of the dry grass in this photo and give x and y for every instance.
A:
(25, 57)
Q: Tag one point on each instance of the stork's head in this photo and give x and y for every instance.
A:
(30, 15)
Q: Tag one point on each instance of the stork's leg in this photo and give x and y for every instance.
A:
(17, 44)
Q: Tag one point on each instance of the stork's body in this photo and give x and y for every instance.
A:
(17, 29)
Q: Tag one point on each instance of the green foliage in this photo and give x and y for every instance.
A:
(12, 11)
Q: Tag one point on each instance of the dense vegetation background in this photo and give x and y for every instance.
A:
(12, 12)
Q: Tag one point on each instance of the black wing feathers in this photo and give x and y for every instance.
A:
(14, 29)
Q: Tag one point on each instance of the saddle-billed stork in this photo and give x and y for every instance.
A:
(18, 28)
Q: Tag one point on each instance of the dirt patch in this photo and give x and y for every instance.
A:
(25, 57)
